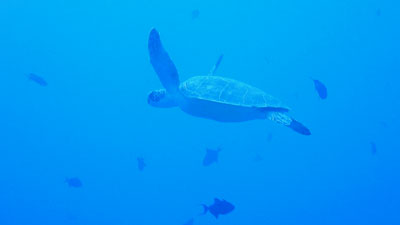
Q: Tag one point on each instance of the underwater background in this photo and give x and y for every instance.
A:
(75, 122)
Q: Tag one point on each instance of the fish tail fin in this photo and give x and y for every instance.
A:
(205, 209)
(286, 120)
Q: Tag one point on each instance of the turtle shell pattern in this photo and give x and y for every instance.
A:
(227, 91)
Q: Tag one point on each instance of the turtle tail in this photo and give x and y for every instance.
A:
(286, 120)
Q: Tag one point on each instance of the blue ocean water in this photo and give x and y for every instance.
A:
(85, 147)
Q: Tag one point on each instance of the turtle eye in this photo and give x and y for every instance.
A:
(154, 97)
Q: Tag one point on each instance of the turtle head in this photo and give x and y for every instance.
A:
(161, 99)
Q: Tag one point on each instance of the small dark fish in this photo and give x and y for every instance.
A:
(189, 222)
(373, 147)
(220, 207)
(141, 163)
(383, 124)
(211, 156)
(258, 158)
(378, 12)
(267, 60)
(215, 67)
(37, 79)
(195, 14)
(321, 89)
(74, 182)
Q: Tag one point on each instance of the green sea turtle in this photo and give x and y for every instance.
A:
(213, 97)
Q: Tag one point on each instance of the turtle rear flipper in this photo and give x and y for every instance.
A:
(299, 128)
(286, 120)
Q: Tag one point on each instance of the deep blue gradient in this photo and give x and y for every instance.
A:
(92, 120)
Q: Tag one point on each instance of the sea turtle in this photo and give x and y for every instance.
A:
(213, 97)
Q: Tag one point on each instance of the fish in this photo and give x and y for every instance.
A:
(37, 79)
(141, 163)
(189, 222)
(195, 14)
(258, 158)
(267, 60)
(320, 88)
(219, 207)
(373, 147)
(378, 12)
(74, 182)
(383, 124)
(215, 67)
(211, 156)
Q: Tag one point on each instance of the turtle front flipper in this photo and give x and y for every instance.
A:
(286, 120)
(162, 63)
